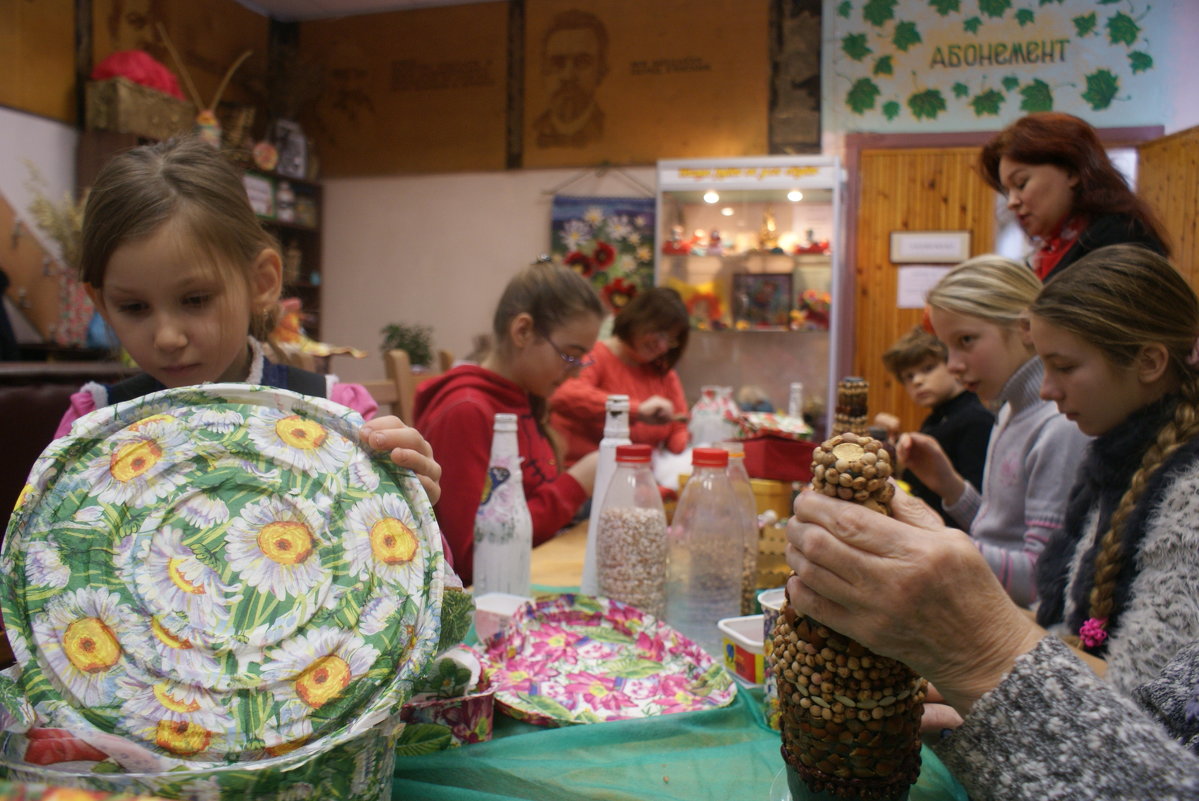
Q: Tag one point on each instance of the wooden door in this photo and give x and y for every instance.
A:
(908, 189)
(1168, 178)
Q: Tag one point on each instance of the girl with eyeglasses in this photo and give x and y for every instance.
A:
(648, 338)
(546, 322)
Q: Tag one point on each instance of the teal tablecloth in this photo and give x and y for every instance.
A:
(723, 755)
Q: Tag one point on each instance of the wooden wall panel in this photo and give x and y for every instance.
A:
(1168, 178)
(411, 91)
(209, 37)
(907, 190)
(37, 57)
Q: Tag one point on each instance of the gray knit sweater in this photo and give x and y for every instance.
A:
(1052, 729)
(1031, 462)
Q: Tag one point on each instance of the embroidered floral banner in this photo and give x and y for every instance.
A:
(608, 240)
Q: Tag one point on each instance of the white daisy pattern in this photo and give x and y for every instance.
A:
(171, 653)
(203, 510)
(377, 613)
(272, 545)
(219, 421)
(314, 668)
(299, 442)
(185, 720)
(381, 538)
(170, 579)
(142, 463)
(79, 634)
(44, 566)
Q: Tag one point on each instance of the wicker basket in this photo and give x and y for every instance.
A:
(119, 104)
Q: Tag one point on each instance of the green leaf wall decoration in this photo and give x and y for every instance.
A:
(1025, 17)
(1140, 61)
(972, 25)
(877, 12)
(1085, 24)
(854, 45)
(961, 90)
(987, 102)
(1037, 97)
(945, 7)
(928, 103)
(883, 66)
(891, 109)
(906, 35)
(1102, 86)
(844, 8)
(994, 8)
(862, 95)
(1010, 82)
(1122, 29)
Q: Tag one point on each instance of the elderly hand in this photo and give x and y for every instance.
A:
(907, 588)
(408, 449)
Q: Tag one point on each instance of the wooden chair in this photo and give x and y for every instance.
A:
(398, 390)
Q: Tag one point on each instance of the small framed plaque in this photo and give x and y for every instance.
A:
(261, 192)
(929, 247)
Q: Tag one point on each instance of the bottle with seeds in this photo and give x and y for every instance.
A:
(703, 574)
(631, 535)
(850, 717)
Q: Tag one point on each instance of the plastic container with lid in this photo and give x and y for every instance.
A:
(749, 524)
(631, 534)
(616, 433)
(705, 551)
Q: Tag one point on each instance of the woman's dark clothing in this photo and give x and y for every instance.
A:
(1109, 229)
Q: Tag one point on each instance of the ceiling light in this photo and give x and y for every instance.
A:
(795, 196)
(711, 197)
(727, 211)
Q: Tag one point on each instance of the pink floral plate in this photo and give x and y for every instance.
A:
(578, 659)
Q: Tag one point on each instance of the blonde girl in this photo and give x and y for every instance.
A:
(176, 262)
(976, 311)
(1117, 333)
(545, 324)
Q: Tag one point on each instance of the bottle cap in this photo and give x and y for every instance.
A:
(709, 457)
(633, 453)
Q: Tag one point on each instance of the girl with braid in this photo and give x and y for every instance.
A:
(1117, 333)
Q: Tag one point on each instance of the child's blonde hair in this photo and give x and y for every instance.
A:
(180, 180)
(1121, 298)
(989, 287)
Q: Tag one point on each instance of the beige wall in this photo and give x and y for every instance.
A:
(435, 250)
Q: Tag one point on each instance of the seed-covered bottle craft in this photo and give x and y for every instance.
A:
(850, 717)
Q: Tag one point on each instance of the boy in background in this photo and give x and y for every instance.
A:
(958, 421)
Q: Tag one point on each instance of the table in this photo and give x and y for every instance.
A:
(725, 754)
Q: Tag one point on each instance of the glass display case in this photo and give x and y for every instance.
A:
(752, 245)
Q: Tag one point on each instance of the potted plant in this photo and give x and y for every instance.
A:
(415, 339)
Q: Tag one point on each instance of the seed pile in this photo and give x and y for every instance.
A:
(851, 413)
(850, 718)
(631, 557)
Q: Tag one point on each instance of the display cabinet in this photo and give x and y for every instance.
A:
(753, 247)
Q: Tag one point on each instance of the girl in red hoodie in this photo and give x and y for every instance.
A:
(546, 322)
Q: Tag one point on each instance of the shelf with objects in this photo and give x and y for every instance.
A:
(751, 244)
(290, 210)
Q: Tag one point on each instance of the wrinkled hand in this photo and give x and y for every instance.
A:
(923, 455)
(908, 588)
(655, 409)
(407, 449)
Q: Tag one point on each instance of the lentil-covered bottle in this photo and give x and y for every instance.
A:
(631, 535)
(703, 574)
(503, 528)
(616, 433)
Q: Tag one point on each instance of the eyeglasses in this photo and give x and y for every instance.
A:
(572, 362)
(669, 340)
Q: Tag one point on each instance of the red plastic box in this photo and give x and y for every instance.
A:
(780, 458)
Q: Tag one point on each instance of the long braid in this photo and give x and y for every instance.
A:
(1109, 559)
(1092, 300)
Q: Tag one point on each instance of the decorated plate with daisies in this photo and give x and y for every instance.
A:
(579, 659)
(219, 574)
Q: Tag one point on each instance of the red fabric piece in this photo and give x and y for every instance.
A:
(455, 412)
(139, 67)
(1054, 246)
(577, 406)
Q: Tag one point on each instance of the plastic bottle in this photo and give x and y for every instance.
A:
(616, 433)
(503, 527)
(795, 400)
(744, 491)
(631, 535)
(704, 552)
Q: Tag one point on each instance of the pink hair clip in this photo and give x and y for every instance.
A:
(1093, 632)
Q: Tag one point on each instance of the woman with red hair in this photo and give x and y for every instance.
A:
(1065, 192)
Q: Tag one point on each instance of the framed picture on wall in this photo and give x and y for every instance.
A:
(762, 300)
